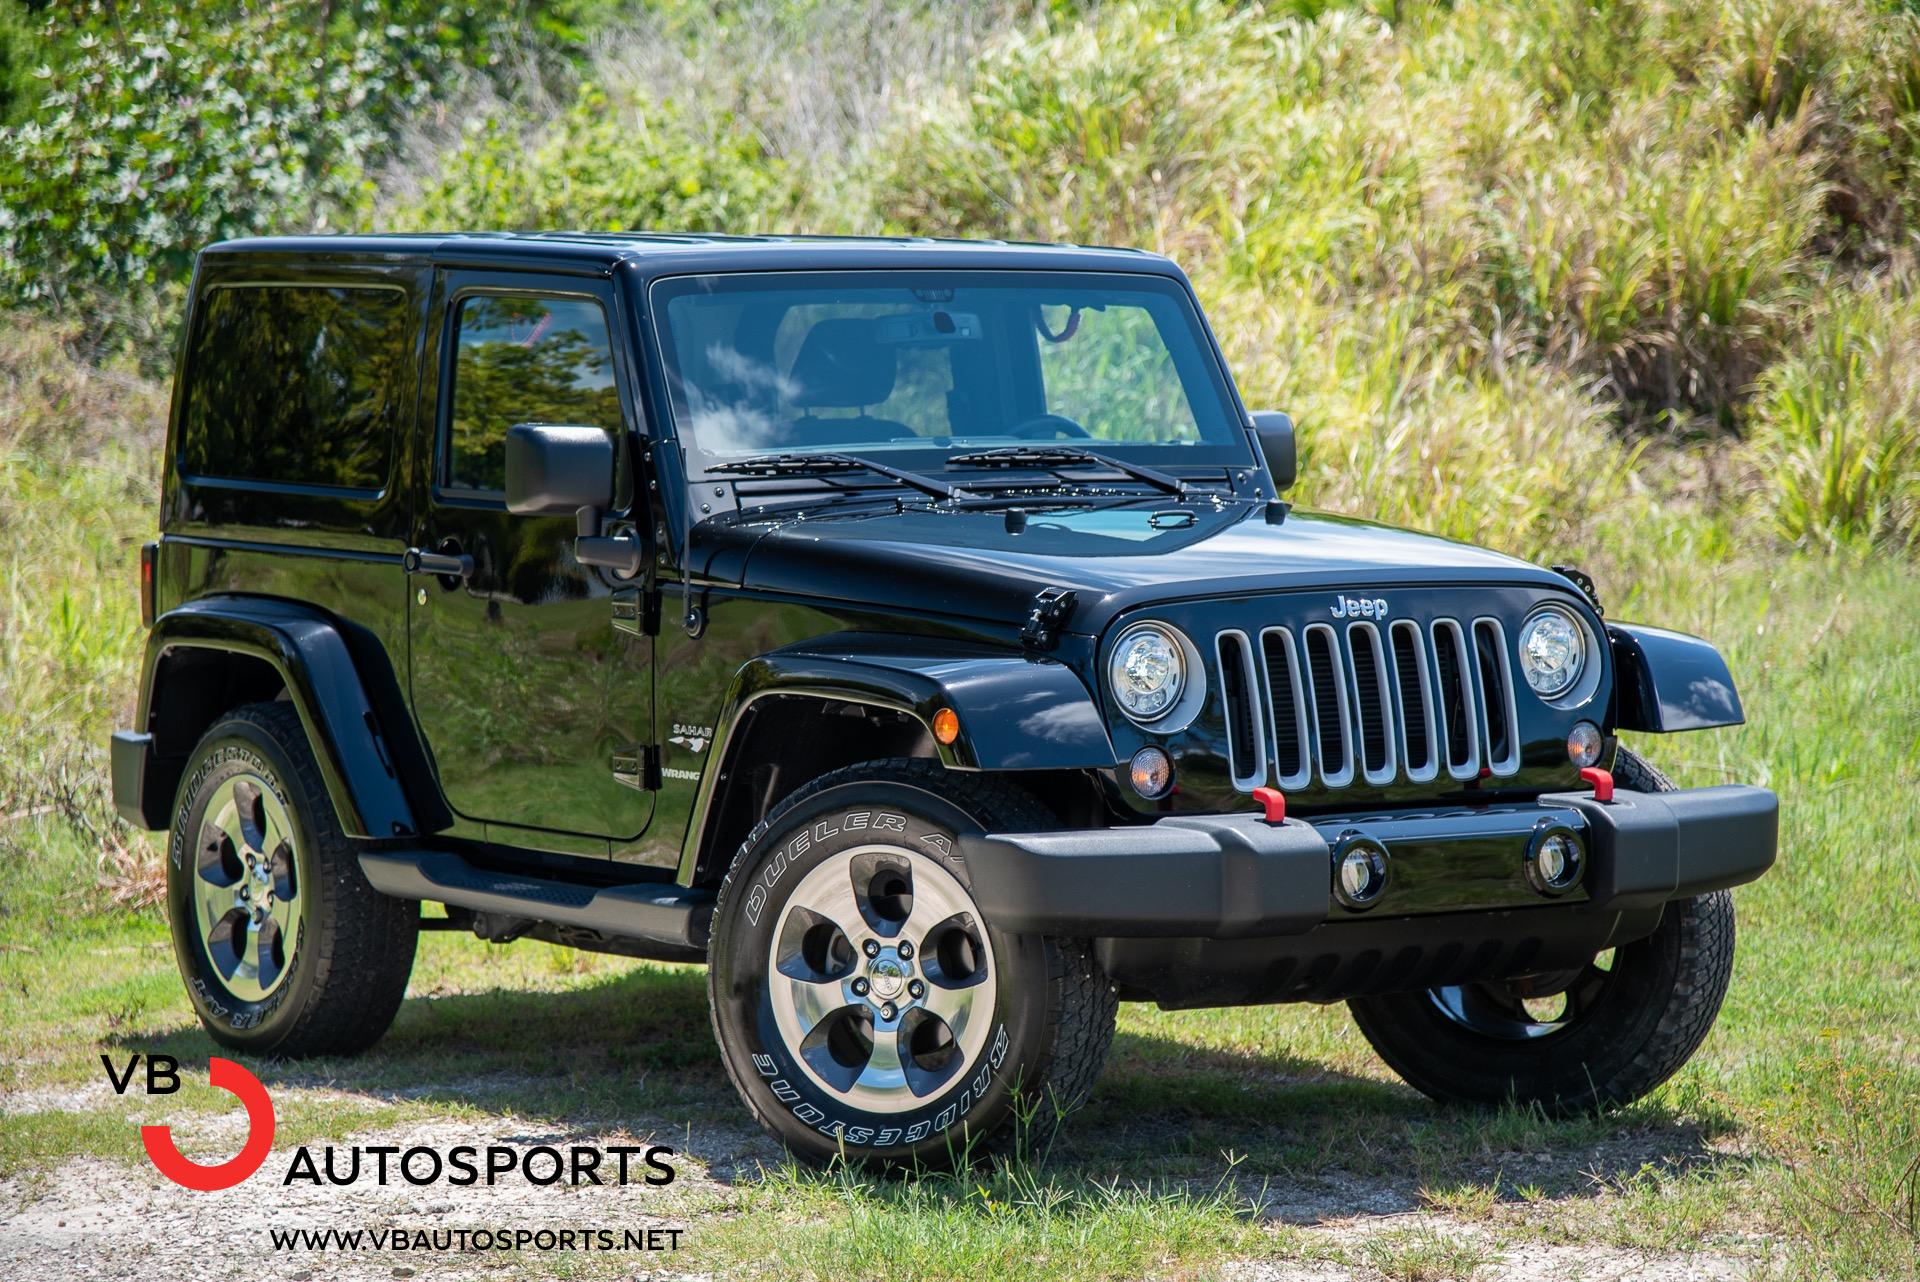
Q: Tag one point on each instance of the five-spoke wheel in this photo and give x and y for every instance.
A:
(285, 947)
(1530, 1006)
(247, 887)
(865, 1007)
(882, 977)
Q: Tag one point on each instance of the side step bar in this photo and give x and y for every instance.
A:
(659, 912)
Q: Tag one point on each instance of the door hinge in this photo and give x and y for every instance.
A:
(1049, 611)
(638, 767)
(636, 611)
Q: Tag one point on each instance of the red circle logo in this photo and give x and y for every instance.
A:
(176, 1166)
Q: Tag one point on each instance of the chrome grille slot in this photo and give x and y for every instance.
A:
(1416, 701)
(1327, 698)
(1289, 708)
(1459, 720)
(1496, 697)
(1373, 696)
(1246, 745)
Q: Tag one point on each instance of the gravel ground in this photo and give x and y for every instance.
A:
(106, 1220)
(101, 1219)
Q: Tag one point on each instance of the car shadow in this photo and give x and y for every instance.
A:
(1285, 1137)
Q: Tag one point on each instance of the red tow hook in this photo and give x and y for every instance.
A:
(1601, 780)
(1275, 803)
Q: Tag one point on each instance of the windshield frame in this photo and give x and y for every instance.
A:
(1215, 458)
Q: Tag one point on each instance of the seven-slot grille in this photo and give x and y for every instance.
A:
(1368, 701)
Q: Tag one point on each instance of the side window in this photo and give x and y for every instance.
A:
(293, 384)
(523, 360)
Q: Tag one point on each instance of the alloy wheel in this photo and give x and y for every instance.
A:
(246, 887)
(881, 978)
(1532, 1006)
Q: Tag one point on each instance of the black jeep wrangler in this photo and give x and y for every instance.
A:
(916, 633)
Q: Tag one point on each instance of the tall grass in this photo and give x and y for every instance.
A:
(1836, 424)
(79, 470)
(1477, 250)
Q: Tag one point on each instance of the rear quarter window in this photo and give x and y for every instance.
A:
(295, 385)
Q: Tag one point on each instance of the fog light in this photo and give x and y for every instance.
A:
(1583, 744)
(1151, 773)
(1359, 871)
(1555, 858)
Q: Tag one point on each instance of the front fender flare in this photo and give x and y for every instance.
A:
(1016, 711)
(1670, 681)
(312, 656)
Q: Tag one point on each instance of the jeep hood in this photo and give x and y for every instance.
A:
(975, 565)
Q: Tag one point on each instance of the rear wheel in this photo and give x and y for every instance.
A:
(862, 1003)
(1590, 1037)
(284, 946)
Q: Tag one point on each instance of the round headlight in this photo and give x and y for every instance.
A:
(1552, 652)
(1147, 672)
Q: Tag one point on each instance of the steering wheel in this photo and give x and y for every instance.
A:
(1048, 425)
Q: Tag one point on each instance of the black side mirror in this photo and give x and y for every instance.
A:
(1275, 431)
(554, 468)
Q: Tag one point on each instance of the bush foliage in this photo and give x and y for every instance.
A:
(1479, 249)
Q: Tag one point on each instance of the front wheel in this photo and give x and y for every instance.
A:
(862, 1003)
(1572, 1041)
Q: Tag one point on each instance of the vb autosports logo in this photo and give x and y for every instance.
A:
(419, 1164)
(163, 1078)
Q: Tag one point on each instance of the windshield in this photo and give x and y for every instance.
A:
(921, 366)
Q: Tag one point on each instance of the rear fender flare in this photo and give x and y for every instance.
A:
(308, 650)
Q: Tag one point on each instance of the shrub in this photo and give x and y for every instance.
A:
(1130, 125)
(604, 165)
(1671, 269)
(55, 405)
(156, 130)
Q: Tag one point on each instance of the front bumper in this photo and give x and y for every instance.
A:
(1201, 910)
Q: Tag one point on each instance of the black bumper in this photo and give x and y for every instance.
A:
(1228, 909)
(1238, 876)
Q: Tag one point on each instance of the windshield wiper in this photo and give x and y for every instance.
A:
(823, 464)
(1066, 455)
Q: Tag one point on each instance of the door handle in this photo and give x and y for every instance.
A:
(456, 565)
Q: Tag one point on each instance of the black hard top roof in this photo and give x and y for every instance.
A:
(678, 254)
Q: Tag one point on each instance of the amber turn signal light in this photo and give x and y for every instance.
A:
(946, 725)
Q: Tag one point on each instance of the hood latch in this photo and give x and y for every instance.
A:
(1045, 617)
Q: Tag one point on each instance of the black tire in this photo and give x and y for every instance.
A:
(340, 957)
(1636, 1022)
(1052, 1011)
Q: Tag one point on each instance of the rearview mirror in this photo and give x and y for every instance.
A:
(554, 468)
(1275, 431)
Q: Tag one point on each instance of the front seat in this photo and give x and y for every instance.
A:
(842, 365)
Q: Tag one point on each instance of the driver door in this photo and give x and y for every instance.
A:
(526, 692)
